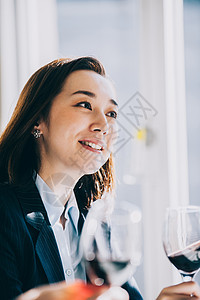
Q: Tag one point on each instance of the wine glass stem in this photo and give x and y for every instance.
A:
(186, 278)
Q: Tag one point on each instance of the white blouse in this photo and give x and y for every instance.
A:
(68, 238)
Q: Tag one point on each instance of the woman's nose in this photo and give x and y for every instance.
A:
(100, 124)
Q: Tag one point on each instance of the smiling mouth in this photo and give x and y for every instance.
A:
(91, 145)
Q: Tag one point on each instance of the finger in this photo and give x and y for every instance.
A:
(81, 291)
(181, 291)
(114, 293)
(30, 295)
(62, 291)
(177, 297)
(187, 288)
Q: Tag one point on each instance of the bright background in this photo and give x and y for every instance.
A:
(151, 50)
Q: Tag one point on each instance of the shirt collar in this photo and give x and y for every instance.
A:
(72, 211)
(54, 206)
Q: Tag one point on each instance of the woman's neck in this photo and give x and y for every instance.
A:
(62, 184)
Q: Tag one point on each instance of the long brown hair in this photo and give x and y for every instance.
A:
(19, 157)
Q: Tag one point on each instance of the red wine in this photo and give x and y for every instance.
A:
(188, 259)
(108, 272)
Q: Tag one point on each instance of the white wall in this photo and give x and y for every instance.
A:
(29, 39)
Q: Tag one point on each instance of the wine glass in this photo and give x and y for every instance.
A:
(181, 239)
(111, 243)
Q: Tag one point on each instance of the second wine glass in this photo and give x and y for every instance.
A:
(181, 239)
(111, 243)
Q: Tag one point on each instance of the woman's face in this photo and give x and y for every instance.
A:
(79, 135)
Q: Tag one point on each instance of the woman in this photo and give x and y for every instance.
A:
(55, 160)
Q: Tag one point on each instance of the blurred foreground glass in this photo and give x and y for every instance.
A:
(111, 243)
(181, 239)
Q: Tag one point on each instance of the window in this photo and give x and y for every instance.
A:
(108, 30)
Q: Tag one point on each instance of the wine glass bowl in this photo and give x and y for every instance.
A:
(181, 239)
(111, 243)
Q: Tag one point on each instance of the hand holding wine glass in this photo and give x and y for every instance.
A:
(111, 243)
(181, 239)
(181, 291)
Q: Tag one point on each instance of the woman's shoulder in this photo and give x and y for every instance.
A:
(8, 198)
(13, 222)
(6, 190)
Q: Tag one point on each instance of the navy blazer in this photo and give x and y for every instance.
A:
(29, 254)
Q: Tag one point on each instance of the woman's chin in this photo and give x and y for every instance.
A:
(91, 169)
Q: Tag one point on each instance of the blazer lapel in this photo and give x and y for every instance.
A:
(47, 250)
(46, 246)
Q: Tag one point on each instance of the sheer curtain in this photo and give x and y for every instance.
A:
(28, 40)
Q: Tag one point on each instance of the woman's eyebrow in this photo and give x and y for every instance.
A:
(91, 94)
(114, 102)
(87, 93)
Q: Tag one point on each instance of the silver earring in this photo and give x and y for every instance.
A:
(36, 133)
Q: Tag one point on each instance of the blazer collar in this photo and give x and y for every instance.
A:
(46, 246)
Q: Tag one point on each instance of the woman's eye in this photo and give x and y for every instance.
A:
(112, 114)
(85, 104)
